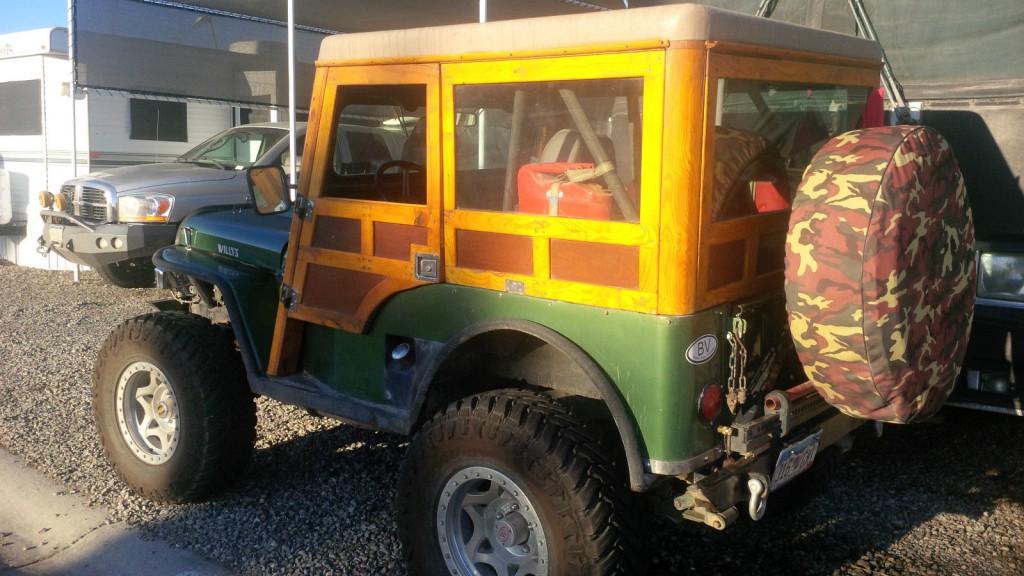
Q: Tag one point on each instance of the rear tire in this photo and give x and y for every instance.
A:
(511, 482)
(137, 273)
(173, 408)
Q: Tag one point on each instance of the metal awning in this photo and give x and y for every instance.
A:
(362, 16)
(357, 16)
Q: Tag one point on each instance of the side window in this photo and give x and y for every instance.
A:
(21, 113)
(566, 148)
(380, 144)
(765, 135)
(158, 120)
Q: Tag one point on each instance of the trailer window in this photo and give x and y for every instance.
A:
(158, 120)
(765, 135)
(21, 111)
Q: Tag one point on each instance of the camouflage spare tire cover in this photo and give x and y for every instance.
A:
(880, 272)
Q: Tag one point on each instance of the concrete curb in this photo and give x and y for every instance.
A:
(47, 532)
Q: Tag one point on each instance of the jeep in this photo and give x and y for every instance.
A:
(650, 259)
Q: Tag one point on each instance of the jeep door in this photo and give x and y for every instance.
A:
(368, 219)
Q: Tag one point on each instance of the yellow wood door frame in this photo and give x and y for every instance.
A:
(648, 65)
(397, 275)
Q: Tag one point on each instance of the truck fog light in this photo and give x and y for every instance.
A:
(60, 203)
(101, 243)
(46, 199)
(710, 402)
(118, 243)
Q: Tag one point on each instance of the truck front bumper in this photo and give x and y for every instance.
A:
(102, 244)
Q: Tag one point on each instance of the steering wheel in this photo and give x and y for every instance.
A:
(406, 166)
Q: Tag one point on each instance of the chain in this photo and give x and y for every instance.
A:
(736, 388)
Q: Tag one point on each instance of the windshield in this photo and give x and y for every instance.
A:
(234, 149)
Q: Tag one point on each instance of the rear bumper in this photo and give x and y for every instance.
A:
(741, 482)
(103, 244)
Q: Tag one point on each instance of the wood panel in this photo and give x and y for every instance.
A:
(592, 263)
(395, 241)
(683, 148)
(771, 252)
(338, 289)
(507, 253)
(287, 339)
(341, 234)
(727, 263)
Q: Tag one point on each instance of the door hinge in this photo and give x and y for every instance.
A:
(289, 297)
(303, 208)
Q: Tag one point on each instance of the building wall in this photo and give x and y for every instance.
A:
(110, 125)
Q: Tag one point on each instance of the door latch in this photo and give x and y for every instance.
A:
(427, 267)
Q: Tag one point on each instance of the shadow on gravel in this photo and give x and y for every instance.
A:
(922, 500)
(928, 499)
(320, 502)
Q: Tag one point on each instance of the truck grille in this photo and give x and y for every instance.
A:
(92, 205)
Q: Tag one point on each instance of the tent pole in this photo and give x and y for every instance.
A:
(291, 98)
(76, 276)
(481, 128)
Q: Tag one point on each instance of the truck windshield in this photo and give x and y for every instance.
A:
(235, 149)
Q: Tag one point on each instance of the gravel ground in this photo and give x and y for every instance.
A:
(940, 498)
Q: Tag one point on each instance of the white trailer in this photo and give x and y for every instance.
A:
(113, 129)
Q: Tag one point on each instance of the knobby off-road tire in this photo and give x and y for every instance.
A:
(573, 504)
(185, 375)
(137, 273)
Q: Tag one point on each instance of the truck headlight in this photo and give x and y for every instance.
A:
(149, 208)
(1001, 276)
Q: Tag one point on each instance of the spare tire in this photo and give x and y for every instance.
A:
(880, 273)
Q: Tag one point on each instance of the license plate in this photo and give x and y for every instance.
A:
(56, 235)
(795, 459)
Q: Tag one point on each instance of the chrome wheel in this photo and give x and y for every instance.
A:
(487, 526)
(147, 412)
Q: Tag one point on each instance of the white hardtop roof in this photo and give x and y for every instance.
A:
(672, 23)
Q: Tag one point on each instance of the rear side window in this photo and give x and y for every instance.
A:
(21, 108)
(765, 135)
(565, 148)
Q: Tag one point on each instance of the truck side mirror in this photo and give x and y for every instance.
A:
(268, 187)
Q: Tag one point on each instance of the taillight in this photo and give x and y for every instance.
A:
(710, 402)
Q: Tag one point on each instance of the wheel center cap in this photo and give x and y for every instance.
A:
(512, 530)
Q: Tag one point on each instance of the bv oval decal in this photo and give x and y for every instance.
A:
(702, 349)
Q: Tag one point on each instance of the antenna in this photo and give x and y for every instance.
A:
(156, 149)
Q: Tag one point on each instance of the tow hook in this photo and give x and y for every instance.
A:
(757, 484)
(42, 248)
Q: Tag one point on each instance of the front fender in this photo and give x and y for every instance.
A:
(250, 295)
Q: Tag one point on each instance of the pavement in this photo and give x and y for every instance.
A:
(44, 531)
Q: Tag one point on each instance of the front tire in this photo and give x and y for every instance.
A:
(173, 409)
(511, 482)
(137, 273)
